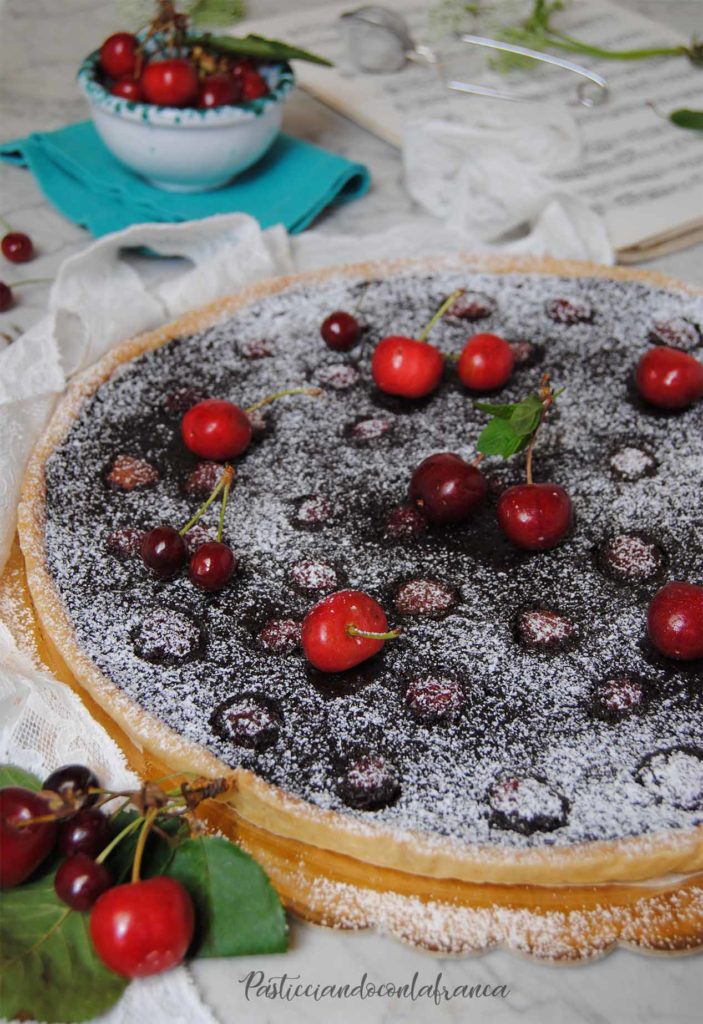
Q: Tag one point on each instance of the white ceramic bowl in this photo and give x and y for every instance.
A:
(187, 149)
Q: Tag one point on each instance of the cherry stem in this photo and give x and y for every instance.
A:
(141, 843)
(352, 630)
(360, 301)
(31, 280)
(440, 313)
(547, 396)
(313, 392)
(225, 497)
(8, 227)
(224, 481)
(478, 460)
(127, 830)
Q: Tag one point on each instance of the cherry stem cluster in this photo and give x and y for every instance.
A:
(546, 395)
(224, 483)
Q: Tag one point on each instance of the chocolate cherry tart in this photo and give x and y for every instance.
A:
(468, 748)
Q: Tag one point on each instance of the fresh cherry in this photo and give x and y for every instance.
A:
(485, 363)
(254, 86)
(80, 880)
(128, 88)
(163, 550)
(217, 91)
(340, 331)
(87, 832)
(446, 488)
(675, 621)
(212, 566)
(73, 782)
(669, 378)
(535, 516)
(6, 297)
(142, 928)
(22, 847)
(331, 631)
(17, 247)
(216, 429)
(170, 83)
(118, 55)
(406, 367)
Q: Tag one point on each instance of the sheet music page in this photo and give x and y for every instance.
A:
(644, 174)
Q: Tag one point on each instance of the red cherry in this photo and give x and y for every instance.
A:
(325, 636)
(128, 88)
(170, 83)
(17, 247)
(217, 91)
(535, 516)
(340, 331)
(118, 55)
(675, 621)
(87, 832)
(212, 566)
(163, 550)
(6, 297)
(446, 488)
(669, 378)
(73, 782)
(142, 928)
(22, 849)
(406, 367)
(485, 363)
(254, 85)
(215, 429)
(80, 880)
(241, 67)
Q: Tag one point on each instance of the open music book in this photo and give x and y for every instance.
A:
(642, 173)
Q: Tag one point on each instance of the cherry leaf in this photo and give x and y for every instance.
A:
(503, 412)
(11, 775)
(526, 415)
(499, 438)
(238, 912)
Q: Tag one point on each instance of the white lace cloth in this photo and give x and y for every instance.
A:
(97, 300)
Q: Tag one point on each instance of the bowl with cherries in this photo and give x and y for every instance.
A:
(188, 112)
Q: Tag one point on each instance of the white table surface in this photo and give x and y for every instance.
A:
(41, 43)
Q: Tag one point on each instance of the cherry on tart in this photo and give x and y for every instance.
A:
(675, 621)
(343, 630)
(170, 83)
(26, 836)
(340, 331)
(118, 54)
(669, 378)
(212, 566)
(485, 363)
(163, 550)
(80, 880)
(410, 367)
(446, 488)
(142, 928)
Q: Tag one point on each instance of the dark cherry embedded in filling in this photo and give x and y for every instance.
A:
(280, 636)
(124, 542)
(629, 556)
(313, 510)
(405, 521)
(314, 576)
(339, 377)
(631, 463)
(180, 401)
(425, 596)
(249, 721)
(369, 783)
(127, 473)
(166, 636)
(202, 480)
(434, 699)
(674, 777)
(259, 423)
(569, 311)
(256, 348)
(527, 805)
(472, 306)
(525, 353)
(618, 696)
(677, 333)
(369, 429)
(542, 627)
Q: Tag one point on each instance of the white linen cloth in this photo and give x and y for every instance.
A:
(97, 300)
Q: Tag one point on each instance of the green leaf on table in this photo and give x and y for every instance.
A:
(499, 438)
(238, 912)
(258, 47)
(49, 970)
(683, 118)
(11, 775)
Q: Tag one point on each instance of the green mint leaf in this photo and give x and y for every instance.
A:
(526, 416)
(10, 775)
(49, 970)
(499, 438)
(258, 47)
(503, 412)
(238, 911)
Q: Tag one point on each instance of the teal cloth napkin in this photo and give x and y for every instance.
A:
(291, 184)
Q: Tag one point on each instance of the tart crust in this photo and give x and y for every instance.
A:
(270, 808)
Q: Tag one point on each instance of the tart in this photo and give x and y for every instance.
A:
(522, 731)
